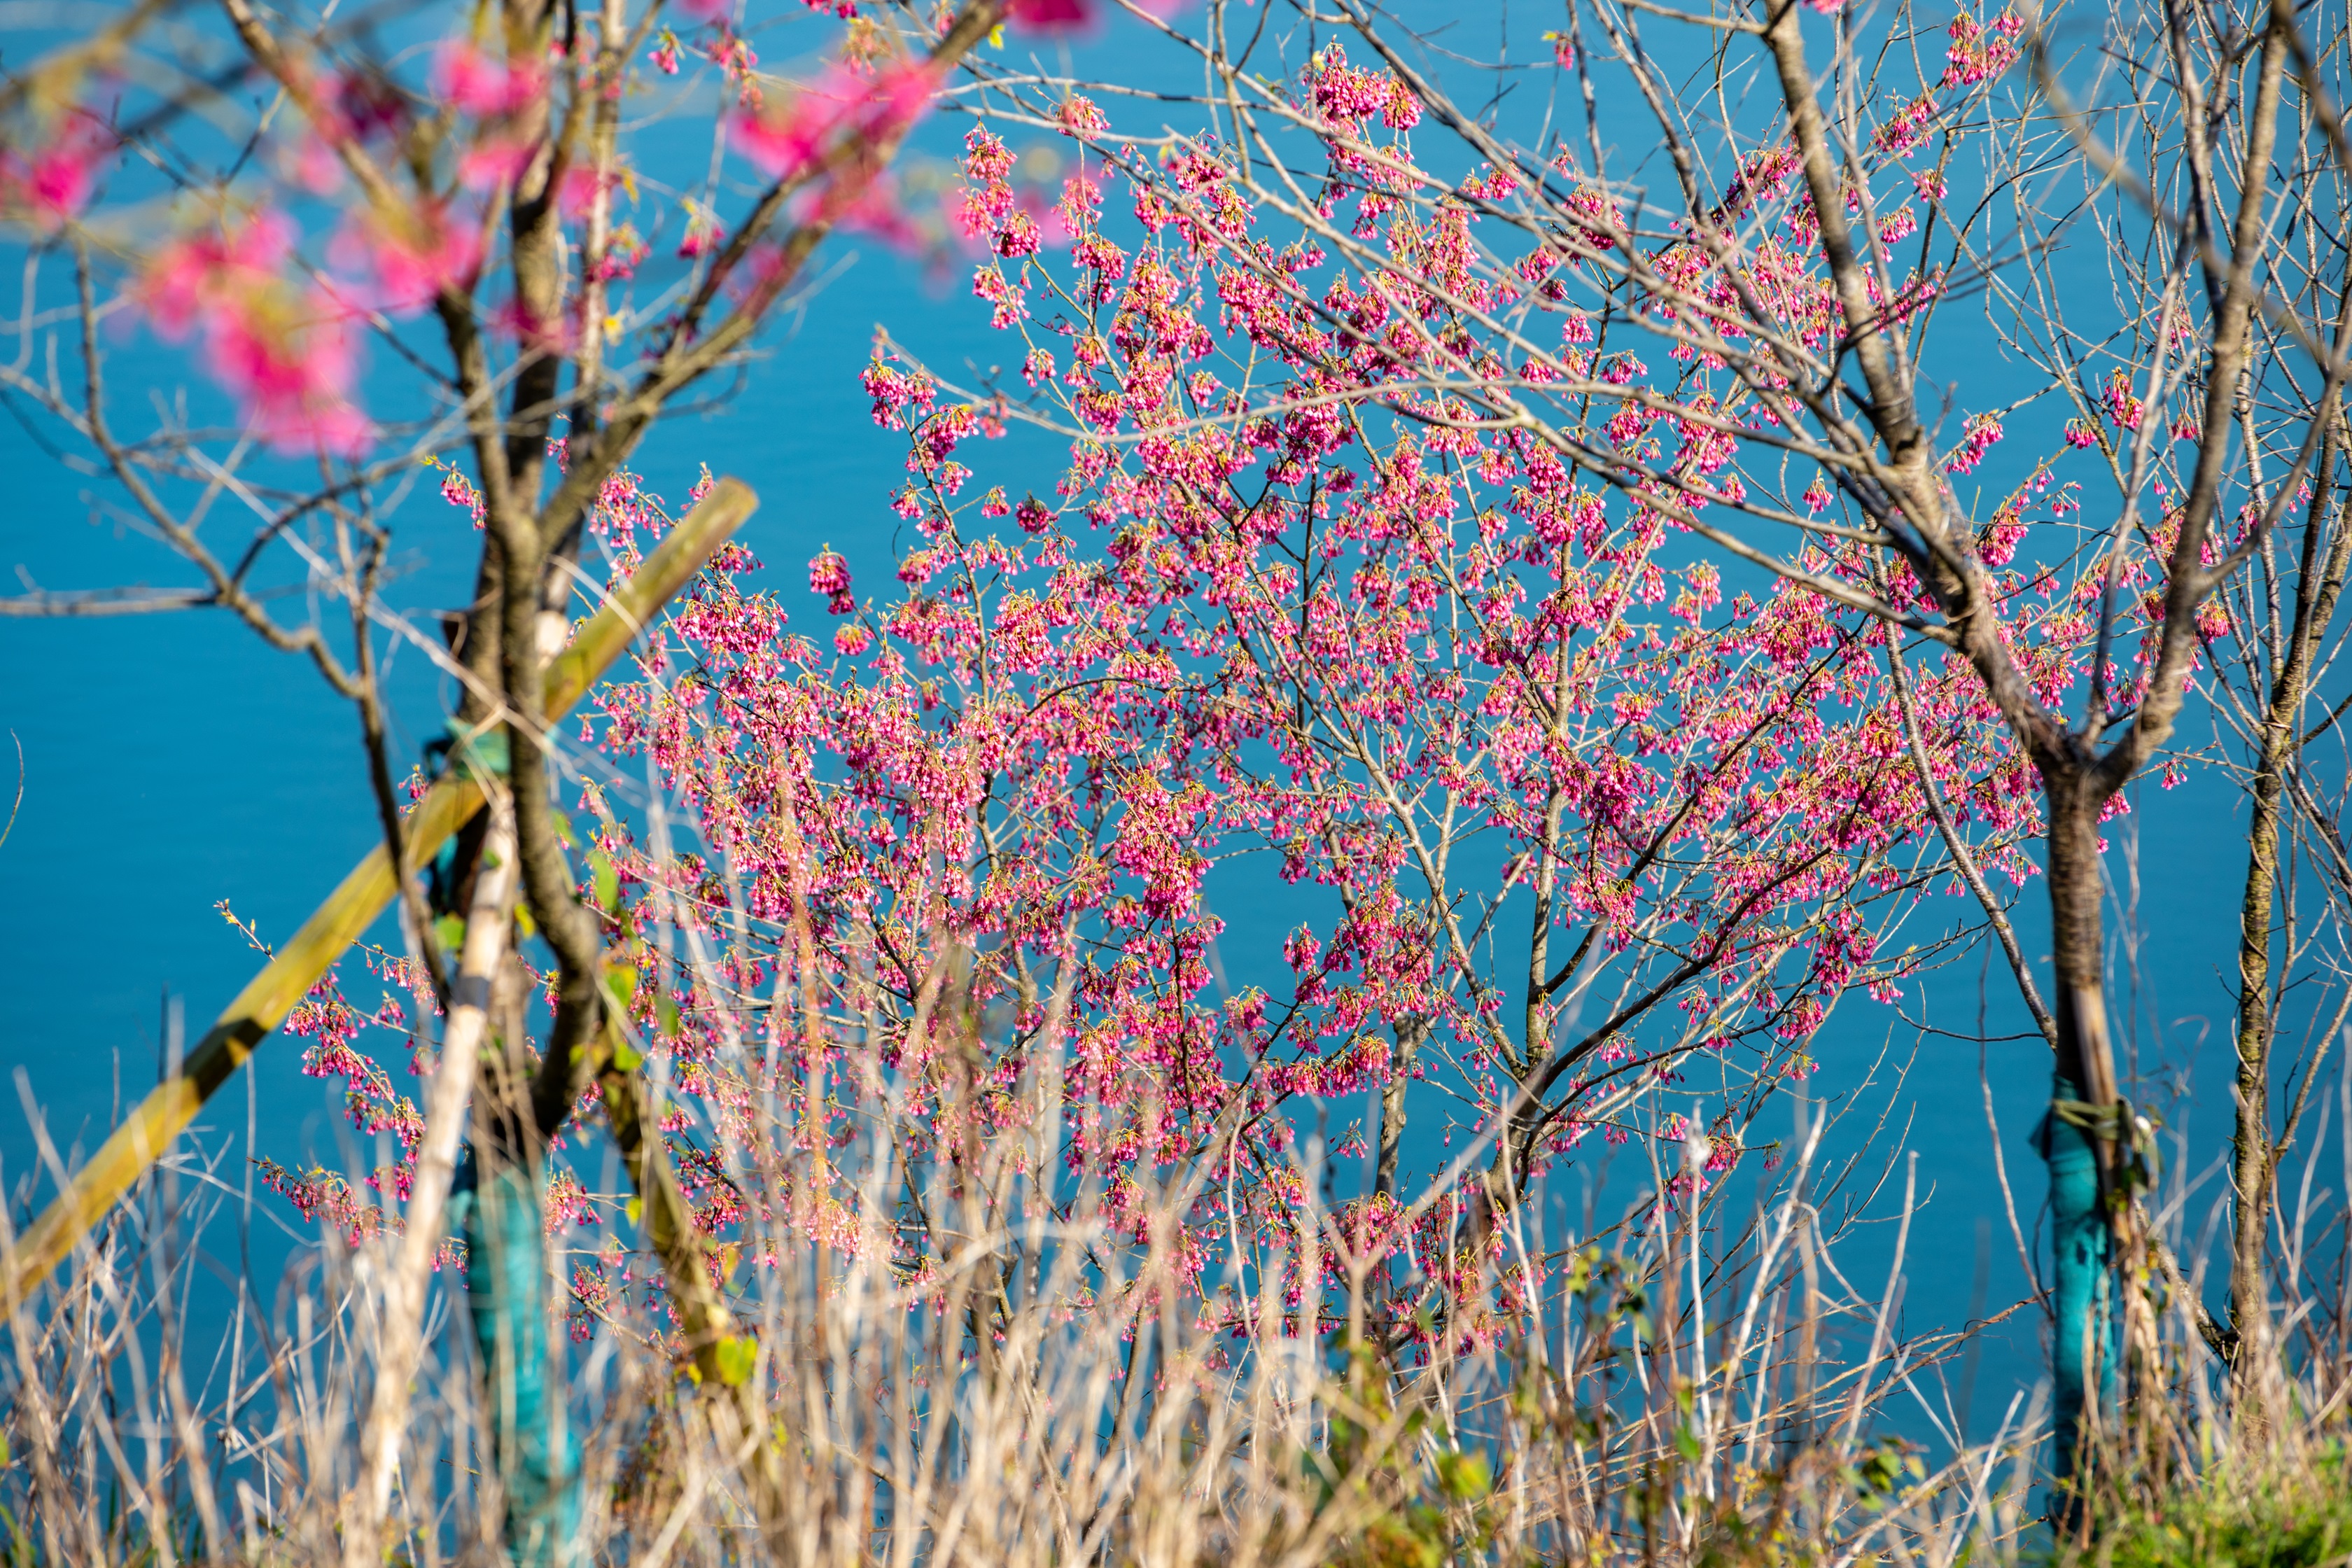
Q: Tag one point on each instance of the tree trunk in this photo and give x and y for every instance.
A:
(2089, 1230)
(1409, 1034)
(2317, 586)
(2250, 1153)
(498, 1210)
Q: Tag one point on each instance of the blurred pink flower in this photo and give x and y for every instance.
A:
(314, 164)
(188, 276)
(287, 354)
(53, 182)
(471, 79)
(411, 256)
(294, 379)
(511, 319)
(494, 162)
(1050, 15)
(578, 191)
(844, 105)
(874, 207)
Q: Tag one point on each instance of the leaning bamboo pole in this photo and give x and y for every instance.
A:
(487, 925)
(350, 909)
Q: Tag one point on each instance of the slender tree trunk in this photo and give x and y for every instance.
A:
(2250, 1156)
(1409, 1034)
(498, 1205)
(502, 1218)
(2254, 1160)
(2086, 1057)
(2083, 1360)
(476, 640)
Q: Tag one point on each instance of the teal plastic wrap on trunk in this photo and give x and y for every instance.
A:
(501, 1218)
(2082, 1364)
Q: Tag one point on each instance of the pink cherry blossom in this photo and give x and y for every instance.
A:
(843, 107)
(1288, 602)
(495, 161)
(1080, 118)
(50, 184)
(1050, 15)
(413, 255)
(474, 81)
(288, 351)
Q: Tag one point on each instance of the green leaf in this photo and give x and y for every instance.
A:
(1579, 1272)
(606, 881)
(668, 1011)
(1464, 1477)
(636, 1210)
(627, 1057)
(449, 931)
(1686, 1443)
(524, 923)
(736, 1356)
(621, 984)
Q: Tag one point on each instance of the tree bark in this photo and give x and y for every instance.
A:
(2254, 1161)
(1409, 1034)
(2081, 1165)
(2251, 1151)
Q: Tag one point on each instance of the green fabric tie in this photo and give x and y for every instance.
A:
(505, 1231)
(2083, 1364)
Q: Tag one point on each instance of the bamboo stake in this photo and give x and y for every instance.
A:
(353, 906)
(402, 1345)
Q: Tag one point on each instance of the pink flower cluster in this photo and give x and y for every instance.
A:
(408, 256)
(47, 185)
(1983, 430)
(829, 575)
(474, 81)
(288, 352)
(847, 108)
(1979, 51)
(1349, 98)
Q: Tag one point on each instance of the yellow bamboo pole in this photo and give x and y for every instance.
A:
(351, 908)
